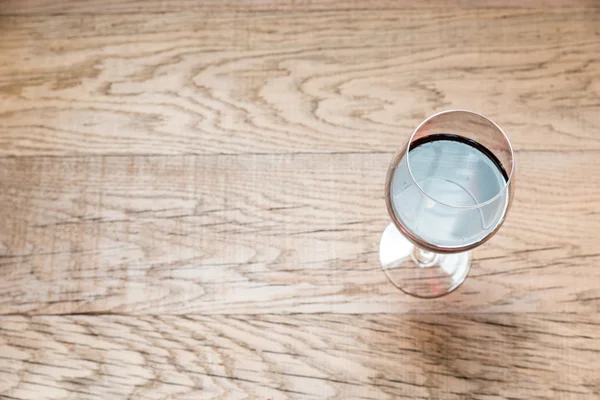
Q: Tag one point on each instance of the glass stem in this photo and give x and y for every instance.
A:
(424, 258)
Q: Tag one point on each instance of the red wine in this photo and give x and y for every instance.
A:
(460, 197)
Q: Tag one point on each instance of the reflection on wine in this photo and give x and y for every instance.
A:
(452, 174)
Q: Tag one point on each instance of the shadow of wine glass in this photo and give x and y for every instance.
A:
(468, 355)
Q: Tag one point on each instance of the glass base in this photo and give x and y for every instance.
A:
(418, 272)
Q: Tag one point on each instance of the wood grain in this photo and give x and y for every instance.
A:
(301, 357)
(284, 233)
(45, 7)
(327, 82)
(191, 199)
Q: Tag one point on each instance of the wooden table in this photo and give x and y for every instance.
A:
(191, 200)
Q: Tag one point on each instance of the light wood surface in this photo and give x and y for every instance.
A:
(191, 200)
(271, 233)
(328, 82)
(55, 7)
(492, 356)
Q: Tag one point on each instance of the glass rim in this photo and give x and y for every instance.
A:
(476, 206)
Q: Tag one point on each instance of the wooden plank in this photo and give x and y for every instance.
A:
(274, 234)
(302, 357)
(326, 82)
(44, 7)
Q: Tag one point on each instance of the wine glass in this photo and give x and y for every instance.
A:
(447, 191)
